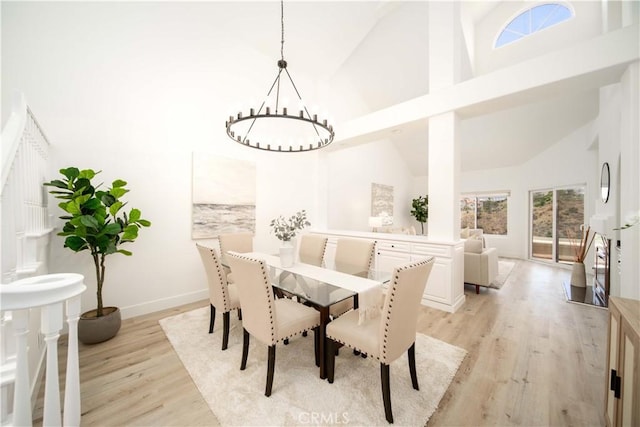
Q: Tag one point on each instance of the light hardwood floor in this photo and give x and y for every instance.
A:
(533, 360)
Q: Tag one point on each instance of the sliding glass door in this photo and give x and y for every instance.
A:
(556, 216)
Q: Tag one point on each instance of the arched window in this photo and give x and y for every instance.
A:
(532, 20)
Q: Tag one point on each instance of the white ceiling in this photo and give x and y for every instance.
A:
(377, 52)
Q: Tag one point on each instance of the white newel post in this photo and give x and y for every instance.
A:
(47, 292)
(22, 391)
(51, 323)
(72, 386)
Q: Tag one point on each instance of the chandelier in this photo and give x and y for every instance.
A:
(272, 126)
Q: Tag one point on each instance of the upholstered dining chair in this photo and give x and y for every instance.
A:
(269, 320)
(312, 247)
(353, 256)
(236, 242)
(389, 335)
(222, 295)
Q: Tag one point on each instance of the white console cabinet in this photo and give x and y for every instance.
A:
(445, 287)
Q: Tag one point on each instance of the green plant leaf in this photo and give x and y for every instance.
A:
(124, 252)
(118, 183)
(130, 232)
(114, 208)
(107, 199)
(144, 223)
(112, 229)
(57, 183)
(89, 221)
(73, 207)
(75, 243)
(134, 215)
(92, 204)
(71, 173)
(118, 192)
(87, 173)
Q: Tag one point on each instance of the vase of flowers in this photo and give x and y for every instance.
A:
(578, 273)
(285, 229)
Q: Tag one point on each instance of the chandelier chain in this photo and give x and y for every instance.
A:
(324, 133)
(282, 30)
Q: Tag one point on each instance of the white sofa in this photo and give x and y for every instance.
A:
(480, 263)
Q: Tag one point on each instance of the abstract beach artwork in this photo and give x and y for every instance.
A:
(224, 196)
(382, 202)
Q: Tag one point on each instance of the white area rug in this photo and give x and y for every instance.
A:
(505, 266)
(299, 396)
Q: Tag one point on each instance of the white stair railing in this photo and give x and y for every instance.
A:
(48, 293)
(24, 212)
(32, 305)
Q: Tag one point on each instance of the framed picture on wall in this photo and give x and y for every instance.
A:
(223, 196)
(382, 202)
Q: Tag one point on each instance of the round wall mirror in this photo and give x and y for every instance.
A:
(605, 178)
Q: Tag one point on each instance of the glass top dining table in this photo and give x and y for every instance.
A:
(320, 287)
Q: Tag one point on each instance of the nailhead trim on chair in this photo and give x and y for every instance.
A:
(267, 286)
(386, 326)
(392, 290)
(226, 301)
(223, 278)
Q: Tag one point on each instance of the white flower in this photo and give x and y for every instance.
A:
(285, 229)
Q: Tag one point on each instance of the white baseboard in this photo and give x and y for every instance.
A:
(163, 304)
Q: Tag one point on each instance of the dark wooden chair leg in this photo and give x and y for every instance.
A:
(245, 349)
(386, 391)
(412, 366)
(331, 358)
(477, 289)
(225, 330)
(239, 314)
(212, 320)
(316, 344)
(270, 368)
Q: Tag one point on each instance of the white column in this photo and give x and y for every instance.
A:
(444, 153)
(444, 177)
(22, 392)
(51, 323)
(72, 386)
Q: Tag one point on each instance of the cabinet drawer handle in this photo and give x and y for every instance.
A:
(615, 384)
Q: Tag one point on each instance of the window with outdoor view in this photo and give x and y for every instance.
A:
(556, 217)
(488, 212)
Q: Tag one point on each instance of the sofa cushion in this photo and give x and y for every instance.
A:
(473, 246)
(464, 233)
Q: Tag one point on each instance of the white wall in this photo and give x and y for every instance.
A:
(486, 31)
(568, 162)
(350, 173)
(133, 89)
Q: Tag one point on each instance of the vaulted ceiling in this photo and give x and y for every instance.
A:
(376, 54)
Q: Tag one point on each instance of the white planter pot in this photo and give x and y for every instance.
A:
(287, 254)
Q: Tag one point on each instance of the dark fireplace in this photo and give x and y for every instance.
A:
(601, 268)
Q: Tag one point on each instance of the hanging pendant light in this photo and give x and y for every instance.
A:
(272, 126)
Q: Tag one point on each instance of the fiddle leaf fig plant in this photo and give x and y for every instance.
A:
(96, 220)
(420, 210)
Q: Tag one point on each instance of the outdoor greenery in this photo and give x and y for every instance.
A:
(286, 229)
(95, 219)
(490, 215)
(420, 210)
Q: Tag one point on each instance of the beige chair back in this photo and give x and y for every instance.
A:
(354, 256)
(401, 307)
(217, 279)
(312, 247)
(256, 296)
(236, 242)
